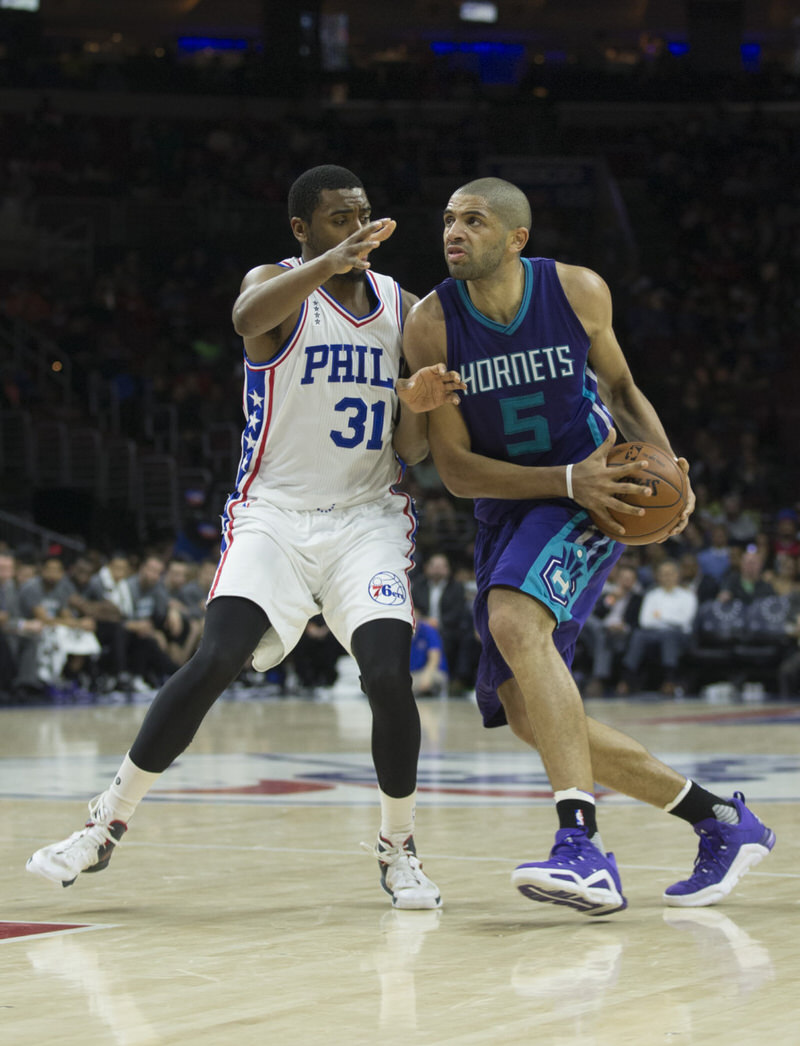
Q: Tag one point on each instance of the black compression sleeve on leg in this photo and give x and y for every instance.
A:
(232, 630)
(383, 652)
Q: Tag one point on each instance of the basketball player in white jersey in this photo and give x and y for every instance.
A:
(314, 524)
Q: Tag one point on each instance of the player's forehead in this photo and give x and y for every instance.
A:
(341, 201)
(461, 204)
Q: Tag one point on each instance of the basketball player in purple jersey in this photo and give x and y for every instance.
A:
(314, 524)
(546, 382)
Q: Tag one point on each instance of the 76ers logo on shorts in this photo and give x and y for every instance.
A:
(387, 588)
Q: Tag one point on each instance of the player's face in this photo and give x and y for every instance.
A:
(474, 238)
(339, 213)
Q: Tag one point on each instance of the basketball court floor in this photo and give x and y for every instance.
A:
(240, 908)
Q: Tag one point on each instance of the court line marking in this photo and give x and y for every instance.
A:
(429, 855)
(31, 937)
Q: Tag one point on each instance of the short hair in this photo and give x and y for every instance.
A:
(306, 190)
(507, 201)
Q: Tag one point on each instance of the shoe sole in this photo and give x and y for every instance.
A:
(588, 902)
(401, 904)
(748, 857)
(406, 904)
(32, 866)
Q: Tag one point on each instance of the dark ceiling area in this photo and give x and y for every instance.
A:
(363, 48)
(380, 27)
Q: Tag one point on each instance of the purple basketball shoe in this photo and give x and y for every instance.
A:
(726, 852)
(577, 874)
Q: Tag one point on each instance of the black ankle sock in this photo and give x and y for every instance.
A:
(698, 805)
(573, 813)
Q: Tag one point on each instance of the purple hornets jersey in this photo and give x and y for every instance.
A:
(531, 397)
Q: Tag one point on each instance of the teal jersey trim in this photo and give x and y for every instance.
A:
(500, 328)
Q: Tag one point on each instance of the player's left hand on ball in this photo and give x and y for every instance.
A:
(430, 387)
(599, 487)
(680, 526)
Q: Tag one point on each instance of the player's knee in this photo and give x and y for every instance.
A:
(217, 661)
(521, 728)
(513, 632)
(385, 682)
(517, 718)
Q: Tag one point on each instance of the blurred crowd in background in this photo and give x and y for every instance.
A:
(705, 309)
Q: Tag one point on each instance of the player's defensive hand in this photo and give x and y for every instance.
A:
(353, 252)
(429, 388)
(597, 486)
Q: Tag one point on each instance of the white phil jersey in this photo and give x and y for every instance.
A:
(320, 413)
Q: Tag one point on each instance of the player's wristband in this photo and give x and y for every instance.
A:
(570, 493)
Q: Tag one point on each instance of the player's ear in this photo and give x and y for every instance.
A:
(517, 238)
(299, 229)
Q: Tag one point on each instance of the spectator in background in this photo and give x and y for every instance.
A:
(110, 583)
(67, 637)
(441, 601)
(651, 558)
(615, 616)
(784, 577)
(18, 637)
(148, 660)
(785, 539)
(27, 570)
(464, 670)
(195, 592)
(704, 586)
(715, 559)
(183, 627)
(428, 661)
(745, 579)
(789, 668)
(316, 655)
(88, 600)
(665, 623)
(741, 522)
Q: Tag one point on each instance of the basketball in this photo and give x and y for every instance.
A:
(663, 507)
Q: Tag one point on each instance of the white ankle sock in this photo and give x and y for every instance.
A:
(574, 793)
(128, 789)
(680, 796)
(397, 816)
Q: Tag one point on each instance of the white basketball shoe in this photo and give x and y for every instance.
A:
(88, 850)
(402, 876)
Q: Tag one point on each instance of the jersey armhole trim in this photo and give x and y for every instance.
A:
(289, 344)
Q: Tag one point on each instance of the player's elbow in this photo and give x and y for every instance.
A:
(457, 482)
(460, 490)
(414, 457)
(243, 321)
(410, 447)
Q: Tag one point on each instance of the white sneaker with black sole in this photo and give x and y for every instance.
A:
(402, 876)
(88, 850)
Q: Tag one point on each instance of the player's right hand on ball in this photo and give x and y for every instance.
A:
(597, 486)
(353, 252)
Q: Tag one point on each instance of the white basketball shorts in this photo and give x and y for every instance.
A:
(351, 565)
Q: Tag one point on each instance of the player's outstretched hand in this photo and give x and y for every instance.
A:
(597, 486)
(353, 252)
(429, 388)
